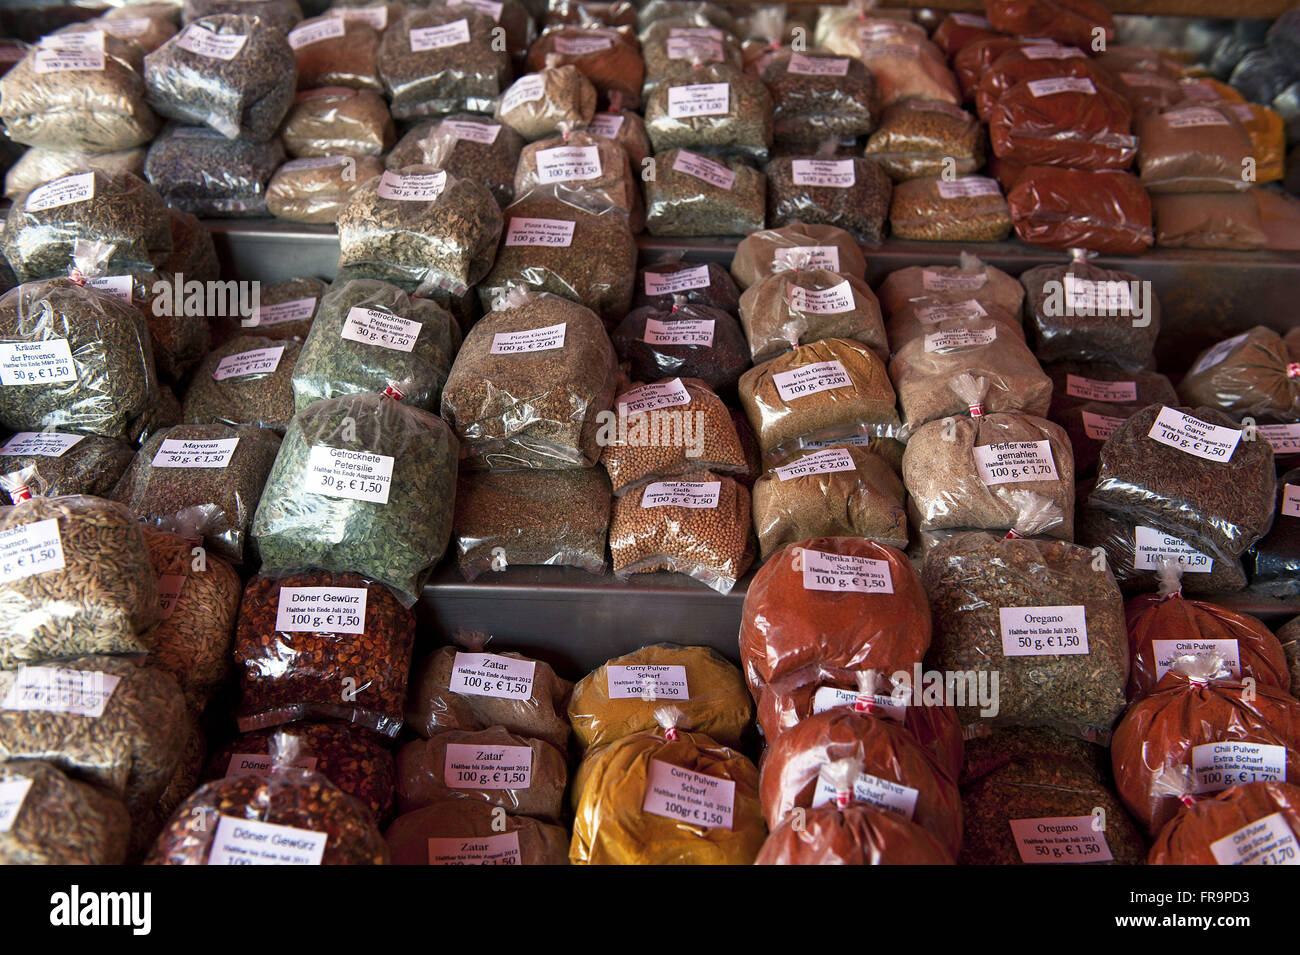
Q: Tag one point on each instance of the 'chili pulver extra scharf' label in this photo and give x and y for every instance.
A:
(1267, 841)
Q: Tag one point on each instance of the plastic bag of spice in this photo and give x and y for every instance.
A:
(335, 50)
(692, 195)
(697, 524)
(538, 105)
(450, 689)
(246, 381)
(363, 483)
(78, 90)
(1045, 615)
(904, 66)
(690, 341)
(563, 241)
(60, 463)
(917, 319)
(227, 72)
(620, 697)
(1275, 561)
(527, 518)
(148, 25)
(95, 351)
(796, 614)
(798, 305)
(54, 819)
(204, 479)
(469, 832)
(57, 602)
(852, 194)
(193, 252)
(37, 166)
(317, 190)
(672, 49)
(816, 96)
(442, 60)
(629, 793)
(1193, 149)
(318, 645)
(922, 137)
(336, 121)
(832, 249)
(1067, 21)
(286, 309)
(1188, 471)
(669, 282)
(1209, 220)
(1250, 374)
(485, 152)
(1200, 732)
(582, 160)
(917, 286)
(278, 15)
(1106, 211)
(969, 209)
(609, 58)
(1039, 61)
(1256, 823)
(720, 110)
(858, 834)
(971, 61)
(181, 164)
(822, 391)
(626, 128)
(368, 333)
(897, 773)
(1065, 121)
(959, 30)
(530, 383)
(309, 819)
(103, 720)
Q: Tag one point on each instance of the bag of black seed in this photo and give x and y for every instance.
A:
(690, 341)
(335, 121)
(228, 72)
(565, 242)
(204, 173)
(925, 138)
(832, 249)
(968, 209)
(853, 194)
(280, 15)
(816, 96)
(581, 160)
(797, 305)
(74, 358)
(670, 281)
(1275, 560)
(43, 227)
(527, 518)
(317, 190)
(483, 151)
(541, 104)
(78, 90)
(245, 381)
(363, 484)
(692, 195)
(58, 463)
(368, 333)
(442, 60)
(720, 111)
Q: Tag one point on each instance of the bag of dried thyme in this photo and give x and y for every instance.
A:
(541, 104)
(59, 463)
(852, 194)
(442, 60)
(532, 385)
(57, 820)
(286, 309)
(363, 483)
(368, 333)
(204, 173)
(717, 109)
(78, 90)
(74, 358)
(485, 152)
(201, 480)
(228, 72)
(798, 305)
(692, 195)
(336, 121)
(246, 381)
(581, 160)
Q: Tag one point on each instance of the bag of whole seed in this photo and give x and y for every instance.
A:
(279, 15)
(246, 381)
(717, 110)
(228, 72)
(670, 281)
(442, 60)
(916, 137)
(74, 358)
(57, 820)
(485, 152)
(363, 483)
(692, 195)
(204, 173)
(201, 480)
(60, 463)
(816, 96)
(853, 194)
(541, 104)
(690, 341)
(368, 333)
(37, 166)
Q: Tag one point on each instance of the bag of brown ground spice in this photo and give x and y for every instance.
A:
(968, 209)
(918, 286)
(336, 121)
(467, 832)
(852, 194)
(337, 50)
(60, 463)
(317, 190)
(580, 160)
(692, 195)
(915, 321)
(485, 152)
(858, 834)
(1253, 824)
(916, 138)
(1209, 220)
(797, 305)
(1248, 375)
(1193, 148)
(832, 249)
(609, 58)
(442, 60)
(626, 128)
(539, 104)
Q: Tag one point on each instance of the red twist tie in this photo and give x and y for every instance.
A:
(977, 411)
(842, 800)
(670, 734)
(20, 494)
(392, 391)
(1293, 370)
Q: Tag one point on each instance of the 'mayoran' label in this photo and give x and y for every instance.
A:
(1267, 841)
(823, 462)
(1216, 766)
(687, 331)
(700, 99)
(321, 610)
(180, 453)
(355, 475)
(1043, 631)
(1194, 436)
(533, 339)
(810, 379)
(476, 850)
(819, 257)
(490, 674)
(45, 444)
(1099, 427)
(438, 37)
(668, 283)
(698, 495)
(1153, 548)
(36, 363)
(258, 361)
(1060, 839)
(249, 842)
(872, 791)
(647, 682)
(215, 46)
(424, 187)
(377, 326)
(30, 549)
(828, 301)
(1015, 462)
(1167, 653)
(568, 164)
(12, 794)
(1090, 389)
(257, 764)
(845, 573)
(824, 173)
(555, 233)
(667, 394)
(56, 690)
(706, 170)
(688, 796)
(473, 766)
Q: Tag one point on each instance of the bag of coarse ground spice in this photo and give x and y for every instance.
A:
(1193, 148)
(1106, 211)
(857, 834)
(1253, 824)
(716, 109)
(485, 152)
(337, 121)
(969, 209)
(37, 166)
(797, 305)
(58, 463)
(581, 160)
(852, 194)
(916, 321)
(245, 381)
(692, 195)
(442, 60)
(468, 832)
(918, 286)
(538, 105)
(1209, 220)
(608, 57)
(1248, 375)
(317, 190)
(919, 138)
(832, 249)
(1200, 732)
(337, 50)
(1189, 472)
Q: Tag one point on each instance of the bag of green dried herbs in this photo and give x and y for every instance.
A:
(286, 309)
(442, 60)
(692, 195)
(363, 483)
(715, 109)
(368, 333)
(58, 463)
(485, 152)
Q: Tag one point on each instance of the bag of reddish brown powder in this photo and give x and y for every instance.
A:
(1254, 824)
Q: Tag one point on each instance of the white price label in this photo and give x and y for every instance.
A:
(568, 164)
(694, 48)
(1086, 297)
(30, 549)
(258, 361)
(817, 65)
(1015, 462)
(810, 379)
(1090, 389)
(605, 125)
(647, 682)
(476, 850)
(706, 170)
(1218, 354)
(553, 233)
(485, 133)
(297, 310)
(819, 257)
(439, 37)
(118, 286)
(1100, 427)
(327, 28)
(181, 453)
(1267, 841)
(1044, 631)
(61, 192)
(960, 338)
(878, 704)
(1051, 53)
(12, 794)
(1216, 766)
(687, 796)
(45, 444)
(845, 573)
(315, 162)
(822, 462)
(960, 311)
(1193, 116)
(1060, 839)
(490, 674)
(215, 46)
(1167, 653)
(1282, 438)
(36, 363)
(321, 610)
(1194, 436)
(938, 282)
(527, 89)
(1061, 84)
(1290, 500)
(533, 339)
(582, 45)
(260, 764)
(469, 766)
(70, 51)
(490, 8)
(687, 331)
(250, 842)
(713, 33)
(355, 475)
(968, 187)
(412, 188)
(823, 173)
(971, 20)
(375, 17)
(377, 326)
(700, 99)
(697, 495)
(872, 791)
(837, 298)
(665, 394)
(1152, 548)
(56, 690)
(669, 283)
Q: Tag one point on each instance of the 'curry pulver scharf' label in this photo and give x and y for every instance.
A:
(688, 796)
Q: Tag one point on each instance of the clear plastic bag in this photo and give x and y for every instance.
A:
(337, 50)
(707, 537)
(1250, 375)
(690, 341)
(278, 15)
(626, 128)
(972, 60)
(59, 820)
(968, 209)
(1213, 831)
(917, 320)
(721, 111)
(317, 190)
(918, 138)
(529, 518)
(318, 645)
(79, 90)
(442, 60)
(585, 161)
(228, 72)
(105, 385)
(148, 25)
(202, 480)
(1065, 121)
(245, 381)
(906, 67)
(542, 104)
(485, 152)
(363, 483)
(671, 49)
(367, 333)
(1088, 400)
(1274, 561)
(691, 195)
(57, 464)
(37, 166)
(1066, 21)
(286, 309)
(1209, 220)
(918, 286)
(816, 96)
(529, 385)
(433, 835)
(858, 834)
(1105, 211)
(1194, 148)
(670, 282)
(800, 305)
(832, 249)
(1043, 61)
(609, 58)
(181, 164)
(957, 31)
(852, 194)
(338, 122)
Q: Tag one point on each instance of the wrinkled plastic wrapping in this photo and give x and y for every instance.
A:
(959, 30)
(286, 309)
(924, 209)
(566, 159)
(861, 207)
(466, 75)
(317, 190)
(905, 66)
(130, 751)
(925, 316)
(279, 15)
(491, 163)
(1152, 751)
(1228, 504)
(780, 416)
(1209, 220)
(528, 518)
(671, 50)
(856, 835)
(743, 131)
(816, 97)
(799, 306)
(681, 201)
(61, 821)
(1083, 125)
(178, 340)
(90, 466)
(1066, 21)
(412, 836)
(537, 711)
(220, 394)
(613, 13)
(338, 122)
(337, 50)
(1248, 375)
(1106, 211)
(148, 25)
(971, 578)
(609, 58)
(1275, 560)
(917, 286)
(539, 104)
(37, 166)
(1036, 62)
(707, 345)
(1082, 313)
(541, 409)
(796, 760)
(834, 249)
(115, 386)
(245, 95)
(973, 60)
(203, 173)
(1195, 148)
(611, 827)
(707, 689)
(710, 544)
(1210, 831)
(710, 284)
(395, 542)
(926, 138)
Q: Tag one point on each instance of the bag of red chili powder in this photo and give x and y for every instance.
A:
(1254, 824)
(1106, 211)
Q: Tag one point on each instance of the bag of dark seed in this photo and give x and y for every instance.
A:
(286, 309)
(581, 160)
(335, 121)
(228, 72)
(278, 15)
(204, 173)
(245, 381)
(1275, 561)
(337, 50)
(59, 820)
(692, 195)
(690, 341)
(442, 60)
(363, 483)
(832, 249)
(670, 281)
(852, 194)
(483, 151)
(717, 110)
(94, 350)
(58, 463)
(318, 189)
(1090, 401)
(816, 96)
